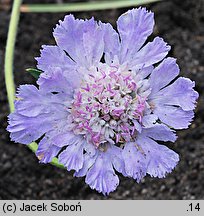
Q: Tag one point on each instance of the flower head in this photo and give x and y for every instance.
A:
(104, 100)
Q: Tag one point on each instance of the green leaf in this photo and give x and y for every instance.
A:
(34, 72)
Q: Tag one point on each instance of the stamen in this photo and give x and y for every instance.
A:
(105, 107)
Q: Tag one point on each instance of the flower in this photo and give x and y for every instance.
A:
(104, 100)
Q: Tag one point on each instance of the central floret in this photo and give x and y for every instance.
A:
(107, 108)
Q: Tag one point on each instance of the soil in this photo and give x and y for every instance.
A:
(181, 24)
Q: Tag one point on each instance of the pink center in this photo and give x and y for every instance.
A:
(107, 106)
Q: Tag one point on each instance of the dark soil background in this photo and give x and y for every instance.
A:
(181, 24)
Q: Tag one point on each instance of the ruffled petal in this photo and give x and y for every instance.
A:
(150, 54)
(161, 160)
(173, 116)
(54, 140)
(73, 156)
(111, 42)
(32, 102)
(143, 88)
(113, 152)
(25, 129)
(160, 132)
(82, 40)
(63, 138)
(163, 75)
(60, 72)
(47, 150)
(54, 57)
(180, 93)
(174, 104)
(135, 161)
(134, 27)
(36, 113)
(117, 159)
(56, 83)
(89, 160)
(90, 149)
(142, 73)
(101, 176)
(149, 120)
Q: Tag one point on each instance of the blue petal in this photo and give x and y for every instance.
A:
(82, 40)
(173, 104)
(25, 129)
(54, 57)
(36, 113)
(111, 42)
(142, 73)
(54, 140)
(135, 161)
(31, 102)
(73, 157)
(161, 160)
(90, 149)
(173, 116)
(117, 159)
(163, 75)
(180, 93)
(60, 72)
(60, 82)
(134, 27)
(159, 132)
(46, 150)
(89, 160)
(115, 154)
(149, 120)
(63, 138)
(150, 54)
(101, 176)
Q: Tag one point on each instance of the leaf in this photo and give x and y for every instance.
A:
(34, 72)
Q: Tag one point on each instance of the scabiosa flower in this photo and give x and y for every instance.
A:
(104, 100)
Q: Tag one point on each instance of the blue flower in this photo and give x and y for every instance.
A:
(104, 100)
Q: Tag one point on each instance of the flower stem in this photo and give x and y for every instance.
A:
(9, 54)
(8, 67)
(84, 6)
